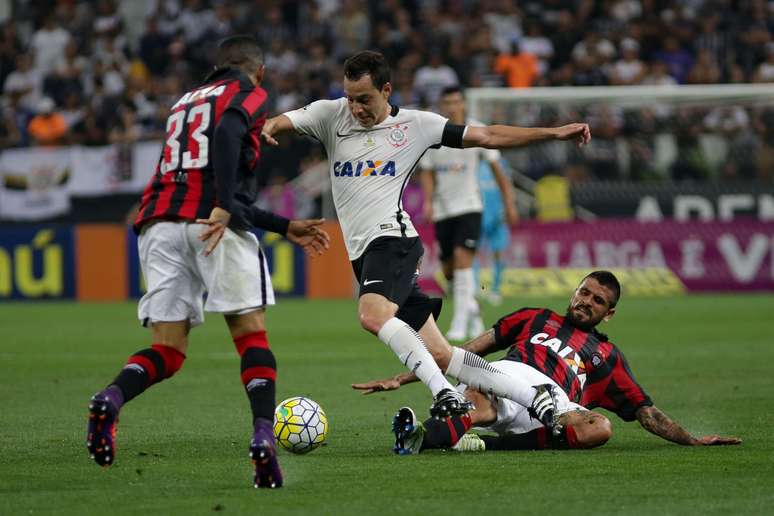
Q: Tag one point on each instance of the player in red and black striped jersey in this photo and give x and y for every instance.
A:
(226, 113)
(203, 191)
(588, 367)
(591, 371)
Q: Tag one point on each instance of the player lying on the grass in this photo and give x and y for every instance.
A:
(585, 369)
(372, 149)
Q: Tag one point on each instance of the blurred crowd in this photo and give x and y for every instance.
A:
(98, 72)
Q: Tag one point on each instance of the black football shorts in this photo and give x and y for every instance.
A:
(460, 231)
(389, 267)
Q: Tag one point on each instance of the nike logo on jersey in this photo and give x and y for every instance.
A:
(369, 282)
(344, 135)
(364, 168)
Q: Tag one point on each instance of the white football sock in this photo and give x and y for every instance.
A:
(468, 280)
(476, 327)
(411, 350)
(483, 376)
(462, 290)
(474, 311)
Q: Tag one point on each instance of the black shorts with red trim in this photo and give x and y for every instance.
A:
(460, 231)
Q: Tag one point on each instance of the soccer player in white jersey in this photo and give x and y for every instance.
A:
(453, 202)
(373, 148)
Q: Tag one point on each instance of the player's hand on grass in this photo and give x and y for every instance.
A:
(716, 440)
(579, 132)
(216, 227)
(389, 384)
(308, 234)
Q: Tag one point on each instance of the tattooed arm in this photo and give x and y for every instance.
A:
(658, 423)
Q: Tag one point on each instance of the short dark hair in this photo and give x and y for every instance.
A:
(241, 51)
(448, 90)
(368, 62)
(607, 279)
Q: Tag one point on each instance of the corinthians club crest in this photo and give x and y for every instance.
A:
(396, 135)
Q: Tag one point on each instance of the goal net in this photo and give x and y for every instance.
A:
(666, 141)
(640, 133)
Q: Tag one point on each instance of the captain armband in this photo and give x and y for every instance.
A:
(452, 135)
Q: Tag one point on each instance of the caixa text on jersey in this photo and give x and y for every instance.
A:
(363, 168)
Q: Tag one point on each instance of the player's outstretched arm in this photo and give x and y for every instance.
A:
(507, 136)
(481, 345)
(386, 384)
(658, 423)
(305, 233)
(274, 126)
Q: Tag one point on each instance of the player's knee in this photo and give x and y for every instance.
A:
(603, 431)
(245, 324)
(373, 311)
(463, 258)
(179, 343)
(484, 413)
(172, 334)
(371, 322)
(441, 355)
(595, 431)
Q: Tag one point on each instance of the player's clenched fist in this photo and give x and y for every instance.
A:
(579, 132)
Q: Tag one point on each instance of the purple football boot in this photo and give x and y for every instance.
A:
(263, 452)
(101, 432)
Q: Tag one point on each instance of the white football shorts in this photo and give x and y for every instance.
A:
(235, 276)
(513, 418)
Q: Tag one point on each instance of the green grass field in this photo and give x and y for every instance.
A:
(182, 446)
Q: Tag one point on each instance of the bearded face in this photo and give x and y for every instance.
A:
(590, 304)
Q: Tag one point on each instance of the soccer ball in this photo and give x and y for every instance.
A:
(300, 425)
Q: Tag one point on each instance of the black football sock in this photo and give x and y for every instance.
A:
(533, 440)
(538, 439)
(145, 368)
(259, 373)
(444, 433)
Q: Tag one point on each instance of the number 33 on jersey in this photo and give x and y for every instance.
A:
(183, 186)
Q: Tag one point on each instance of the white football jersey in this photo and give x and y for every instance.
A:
(456, 189)
(369, 167)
